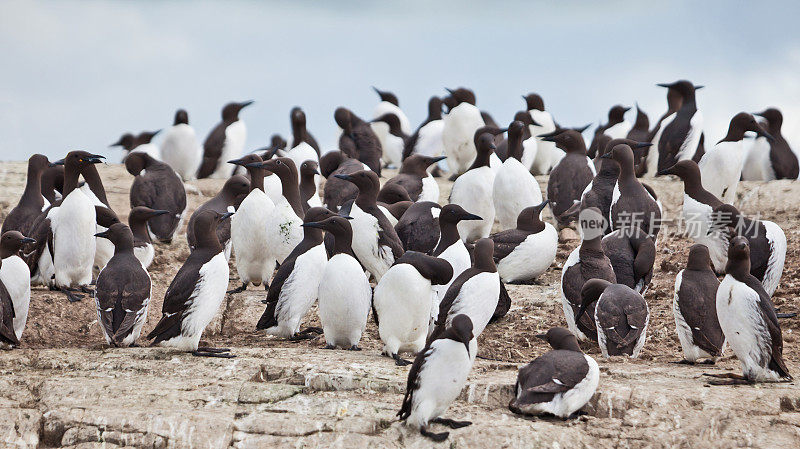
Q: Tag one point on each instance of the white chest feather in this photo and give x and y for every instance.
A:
(447, 365)
(477, 299)
(301, 153)
(429, 139)
(376, 259)
(206, 298)
(249, 237)
(430, 190)
(514, 189)
(473, 192)
(144, 254)
(344, 301)
(530, 258)
(402, 299)
(181, 150)
(721, 168)
(284, 230)
(744, 328)
(16, 277)
(74, 243)
(235, 138)
(299, 291)
(460, 125)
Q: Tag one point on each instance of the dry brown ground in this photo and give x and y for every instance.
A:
(54, 323)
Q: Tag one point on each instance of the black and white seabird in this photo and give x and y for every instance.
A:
(695, 310)
(126, 141)
(345, 296)
(73, 225)
(196, 292)
(309, 195)
(698, 205)
(16, 276)
(569, 178)
(418, 228)
(766, 243)
(679, 139)
(460, 124)
(122, 294)
(631, 202)
(585, 262)
(296, 284)
(473, 191)
(620, 314)
(180, 148)
(276, 143)
(157, 186)
(8, 338)
(641, 127)
(401, 302)
(721, 166)
(224, 142)
(436, 378)
(283, 224)
(358, 140)
(649, 164)
(747, 318)
(528, 250)
(415, 179)
(337, 191)
(632, 254)
(31, 203)
(451, 248)
(540, 156)
(600, 191)
(782, 160)
(615, 128)
(475, 293)
(142, 245)
(559, 382)
(375, 242)
(389, 104)
(235, 190)
(393, 139)
(514, 188)
(300, 130)
(249, 235)
(427, 139)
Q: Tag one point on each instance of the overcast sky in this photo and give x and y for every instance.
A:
(79, 74)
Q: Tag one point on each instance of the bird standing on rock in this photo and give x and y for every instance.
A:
(195, 293)
(224, 142)
(747, 318)
(436, 378)
(345, 296)
(122, 294)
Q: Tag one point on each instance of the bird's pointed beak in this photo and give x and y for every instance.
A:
(226, 215)
(547, 138)
(156, 213)
(312, 224)
(541, 336)
(699, 87)
(345, 177)
(57, 163)
(643, 144)
(95, 159)
(606, 155)
(437, 159)
(543, 203)
(28, 240)
(103, 234)
(667, 85)
(663, 172)
(245, 104)
(472, 217)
